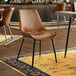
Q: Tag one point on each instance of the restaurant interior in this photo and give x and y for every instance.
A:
(37, 37)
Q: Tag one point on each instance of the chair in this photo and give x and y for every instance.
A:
(59, 7)
(31, 28)
(6, 20)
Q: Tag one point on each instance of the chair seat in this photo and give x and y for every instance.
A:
(45, 34)
(41, 35)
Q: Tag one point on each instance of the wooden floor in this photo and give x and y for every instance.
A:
(12, 49)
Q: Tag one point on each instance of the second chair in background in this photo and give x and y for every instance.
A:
(6, 20)
(59, 7)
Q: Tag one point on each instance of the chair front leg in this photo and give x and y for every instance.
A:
(54, 50)
(20, 49)
(33, 53)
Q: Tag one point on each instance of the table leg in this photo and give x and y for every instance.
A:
(58, 20)
(67, 39)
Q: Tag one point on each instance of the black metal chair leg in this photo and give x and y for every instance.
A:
(20, 49)
(40, 49)
(68, 32)
(54, 50)
(33, 53)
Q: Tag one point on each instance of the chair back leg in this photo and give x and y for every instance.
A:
(33, 53)
(54, 50)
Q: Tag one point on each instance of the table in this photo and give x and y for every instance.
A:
(68, 14)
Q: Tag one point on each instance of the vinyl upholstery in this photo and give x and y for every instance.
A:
(31, 25)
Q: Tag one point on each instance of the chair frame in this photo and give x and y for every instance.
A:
(34, 49)
(4, 27)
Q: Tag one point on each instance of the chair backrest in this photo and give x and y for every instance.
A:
(60, 6)
(29, 20)
(8, 14)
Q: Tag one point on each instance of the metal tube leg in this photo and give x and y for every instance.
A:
(51, 16)
(20, 49)
(33, 53)
(54, 50)
(10, 31)
(58, 20)
(5, 32)
(65, 21)
(64, 18)
(40, 49)
(67, 39)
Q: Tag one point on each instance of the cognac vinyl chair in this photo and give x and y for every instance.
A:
(59, 7)
(6, 20)
(31, 28)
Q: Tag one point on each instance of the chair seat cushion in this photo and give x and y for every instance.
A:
(40, 35)
(44, 34)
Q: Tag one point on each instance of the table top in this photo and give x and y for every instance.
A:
(1, 9)
(66, 13)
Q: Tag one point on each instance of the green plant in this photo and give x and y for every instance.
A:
(71, 1)
(2, 1)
